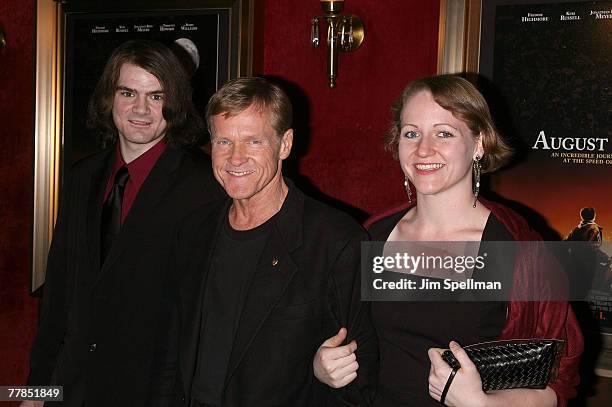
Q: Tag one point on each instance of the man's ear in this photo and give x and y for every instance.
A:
(286, 143)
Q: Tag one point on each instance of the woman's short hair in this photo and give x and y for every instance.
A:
(239, 94)
(183, 124)
(466, 103)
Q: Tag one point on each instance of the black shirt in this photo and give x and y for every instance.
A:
(234, 261)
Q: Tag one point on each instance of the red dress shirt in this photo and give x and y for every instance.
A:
(138, 169)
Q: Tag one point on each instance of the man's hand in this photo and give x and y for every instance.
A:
(30, 403)
(336, 365)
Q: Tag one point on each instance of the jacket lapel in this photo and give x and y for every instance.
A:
(155, 187)
(274, 273)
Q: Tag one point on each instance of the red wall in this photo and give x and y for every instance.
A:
(17, 309)
(345, 158)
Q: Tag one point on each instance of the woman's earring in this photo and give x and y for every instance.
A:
(408, 190)
(476, 167)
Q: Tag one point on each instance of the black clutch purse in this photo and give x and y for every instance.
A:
(526, 363)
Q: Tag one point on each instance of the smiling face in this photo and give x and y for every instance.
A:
(435, 148)
(247, 154)
(137, 111)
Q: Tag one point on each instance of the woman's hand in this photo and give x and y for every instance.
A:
(466, 387)
(336, 365)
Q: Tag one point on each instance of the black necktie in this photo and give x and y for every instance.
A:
(111, 213)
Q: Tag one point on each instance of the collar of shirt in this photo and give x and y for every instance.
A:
(138, 169)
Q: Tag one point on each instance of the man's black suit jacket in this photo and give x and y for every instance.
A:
(305, 287)
(105, 330)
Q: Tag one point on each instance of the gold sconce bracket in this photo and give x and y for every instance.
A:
(351, 34)
(345, 32)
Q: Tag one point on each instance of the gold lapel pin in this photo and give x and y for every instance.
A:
(274, 262)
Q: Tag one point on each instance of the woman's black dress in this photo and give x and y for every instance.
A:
(406, 330)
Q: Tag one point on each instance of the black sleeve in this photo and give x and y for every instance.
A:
(52, 320)
(352, 313)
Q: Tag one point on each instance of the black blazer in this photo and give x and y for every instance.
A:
(105, 331)
(306, 285)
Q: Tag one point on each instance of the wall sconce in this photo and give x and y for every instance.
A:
(344, 32)
(2, 38)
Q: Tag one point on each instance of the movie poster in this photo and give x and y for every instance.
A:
(551, 64)
(200, 37)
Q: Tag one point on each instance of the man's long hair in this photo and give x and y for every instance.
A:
(184, 125)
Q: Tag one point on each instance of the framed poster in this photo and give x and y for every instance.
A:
(545, 68)
(75, 39)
